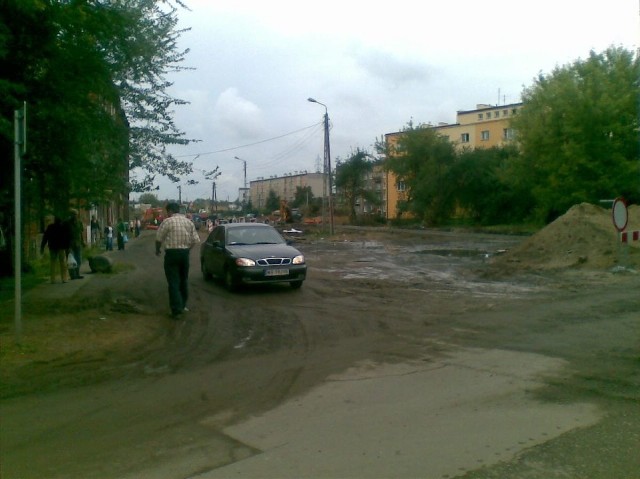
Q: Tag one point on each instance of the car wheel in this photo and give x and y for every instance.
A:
(229, 283)
(296, 284)
(205, 273)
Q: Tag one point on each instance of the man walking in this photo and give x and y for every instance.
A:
(179, 235)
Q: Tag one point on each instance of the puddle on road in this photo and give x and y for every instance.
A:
(428, 267)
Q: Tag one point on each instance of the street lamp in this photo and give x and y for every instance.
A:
(327, 162)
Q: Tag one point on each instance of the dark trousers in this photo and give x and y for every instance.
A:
(176, 270)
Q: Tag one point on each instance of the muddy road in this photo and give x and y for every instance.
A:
(106, 385)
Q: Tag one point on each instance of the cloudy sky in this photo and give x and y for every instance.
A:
(375, 65)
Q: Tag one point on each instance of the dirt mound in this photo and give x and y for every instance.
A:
(584, 237)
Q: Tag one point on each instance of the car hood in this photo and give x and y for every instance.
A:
(263, 251)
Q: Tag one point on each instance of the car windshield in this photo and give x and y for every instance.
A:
(250, 236)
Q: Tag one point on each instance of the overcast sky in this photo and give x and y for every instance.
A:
(375, 65)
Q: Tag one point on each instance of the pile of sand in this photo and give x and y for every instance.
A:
(584, 237)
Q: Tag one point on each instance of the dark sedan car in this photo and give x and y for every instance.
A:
(251, 253)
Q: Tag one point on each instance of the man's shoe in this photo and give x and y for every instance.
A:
(186, 310)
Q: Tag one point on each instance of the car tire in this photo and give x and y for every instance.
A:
(295, 284)
(205, 273)
(229, 282)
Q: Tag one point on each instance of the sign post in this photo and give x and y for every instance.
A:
(620, 216)
(20, 147)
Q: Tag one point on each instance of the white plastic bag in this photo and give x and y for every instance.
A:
(71, 261)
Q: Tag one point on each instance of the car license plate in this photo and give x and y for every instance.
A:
(276, 272)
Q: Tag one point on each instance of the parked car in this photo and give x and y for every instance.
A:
(251, 253)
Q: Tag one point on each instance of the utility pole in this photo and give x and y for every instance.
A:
(212, 175)
(244, 190)
(327, 162)
(20, 147)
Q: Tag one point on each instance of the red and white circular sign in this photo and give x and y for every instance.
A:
(620, 214)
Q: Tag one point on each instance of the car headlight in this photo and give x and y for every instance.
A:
(245, 262)
(298, 259)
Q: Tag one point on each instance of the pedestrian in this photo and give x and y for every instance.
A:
(122, 234)
(76, 243)
(138, 227)
(108, 236)
(57, 237)
(95, 231)
(178, 235)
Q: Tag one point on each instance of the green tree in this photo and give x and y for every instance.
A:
(351, 181)
(578, 133)
(422, 159)
(302, 197)
(149, 199)
(484, 191)
(93, 76)
(272, 202)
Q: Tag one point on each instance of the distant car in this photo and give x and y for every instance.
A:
(251, 253)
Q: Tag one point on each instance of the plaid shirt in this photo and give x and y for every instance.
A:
(177, 232)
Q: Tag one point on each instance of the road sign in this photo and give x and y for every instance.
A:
(620, 214)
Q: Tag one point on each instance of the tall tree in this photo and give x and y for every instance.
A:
(351, 180)
(422, 159)
(484, 190)
(93, 76)
(578, 132)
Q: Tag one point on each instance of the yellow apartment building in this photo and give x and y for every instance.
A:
(485, 127)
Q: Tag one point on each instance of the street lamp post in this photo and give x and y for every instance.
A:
(327, 161)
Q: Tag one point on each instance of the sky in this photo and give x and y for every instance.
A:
(375, 65)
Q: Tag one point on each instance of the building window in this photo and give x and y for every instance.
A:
(464, 138)
(505, 112)
(514, 111)
(400, 186)
(507, 134)
(488, 115)
(484, 135)
(480, 116)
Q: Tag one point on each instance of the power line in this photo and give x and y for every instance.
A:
(249, 144)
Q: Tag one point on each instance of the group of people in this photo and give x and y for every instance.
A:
(66, 240)
(120, 232)
(177, 234)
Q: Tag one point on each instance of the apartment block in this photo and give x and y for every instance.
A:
(284, 187)
(484, 127)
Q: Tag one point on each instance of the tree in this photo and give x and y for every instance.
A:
(422, 160)
(272, 202)
(484, 190)
(149, 199)
(578, 133)
(92, 73)
(351, 180)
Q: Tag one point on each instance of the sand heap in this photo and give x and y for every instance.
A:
(584, 237)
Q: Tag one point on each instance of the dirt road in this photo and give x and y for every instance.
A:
(105, 385)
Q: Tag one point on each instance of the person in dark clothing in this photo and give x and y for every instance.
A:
(57, 237)
(122, 233)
